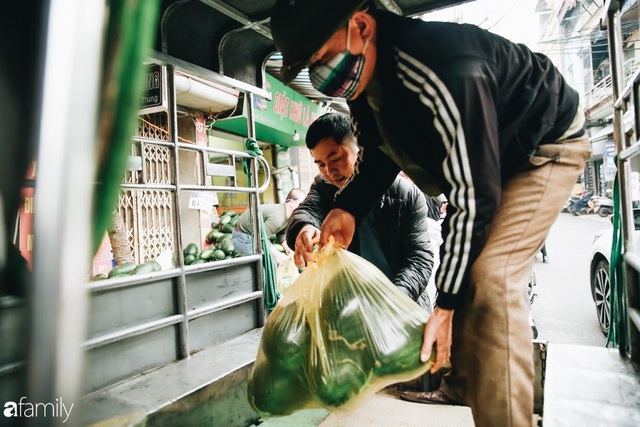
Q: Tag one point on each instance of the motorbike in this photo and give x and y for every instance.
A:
(581, 205)
(568, 205)
(602, 205)
(589, 204)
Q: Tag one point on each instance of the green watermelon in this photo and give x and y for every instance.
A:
(190, 249)
(122, 269)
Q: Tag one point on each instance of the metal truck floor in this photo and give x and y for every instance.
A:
(383, 409)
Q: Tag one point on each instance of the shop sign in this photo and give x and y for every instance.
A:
(283, 120)
(25, 216)
(154, 97)
(203, 200)
(288, 110)
(25, 244)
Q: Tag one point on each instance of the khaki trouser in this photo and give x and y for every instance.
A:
(492, 351)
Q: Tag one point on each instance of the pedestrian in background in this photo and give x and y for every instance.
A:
(274, 217)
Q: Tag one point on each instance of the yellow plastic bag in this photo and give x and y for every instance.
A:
(341, 332)
(286, 274)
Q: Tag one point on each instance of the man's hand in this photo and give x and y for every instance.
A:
(341, 225)
(278, 256)
(307, 236)
(438, 332)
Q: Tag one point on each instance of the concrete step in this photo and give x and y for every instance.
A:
(590, 386)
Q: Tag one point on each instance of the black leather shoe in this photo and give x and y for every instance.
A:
(433, 397)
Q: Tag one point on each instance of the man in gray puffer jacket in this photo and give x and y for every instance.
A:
(393, 236)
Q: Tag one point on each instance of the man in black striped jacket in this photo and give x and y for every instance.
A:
(462, 111)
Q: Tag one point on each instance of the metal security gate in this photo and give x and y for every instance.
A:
(164, 316)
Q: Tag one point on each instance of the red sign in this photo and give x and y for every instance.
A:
(25, 243)
(102, 262)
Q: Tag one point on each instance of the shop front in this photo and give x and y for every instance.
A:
(281, 122)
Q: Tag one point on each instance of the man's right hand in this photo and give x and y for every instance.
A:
(341, 225)
(308, 236)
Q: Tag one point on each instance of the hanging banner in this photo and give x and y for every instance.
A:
(608, 160)
(634, 180)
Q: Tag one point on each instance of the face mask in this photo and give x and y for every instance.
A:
(339, 78)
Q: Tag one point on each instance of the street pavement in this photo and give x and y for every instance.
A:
(564, 311)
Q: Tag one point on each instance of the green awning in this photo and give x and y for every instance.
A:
(277, 120)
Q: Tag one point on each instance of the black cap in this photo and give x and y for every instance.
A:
(300, 28)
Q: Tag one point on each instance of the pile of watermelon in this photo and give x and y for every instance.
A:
(220, 240)
(129, 269)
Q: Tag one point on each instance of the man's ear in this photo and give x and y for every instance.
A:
(365, 24)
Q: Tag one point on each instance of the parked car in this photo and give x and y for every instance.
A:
(599, 271)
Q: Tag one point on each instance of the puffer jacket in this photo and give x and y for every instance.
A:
(400, 222)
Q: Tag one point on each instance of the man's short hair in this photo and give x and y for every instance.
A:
(330, 125)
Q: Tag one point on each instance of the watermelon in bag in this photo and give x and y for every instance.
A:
(341, 332)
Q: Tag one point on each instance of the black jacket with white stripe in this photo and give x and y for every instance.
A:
(460, 110)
